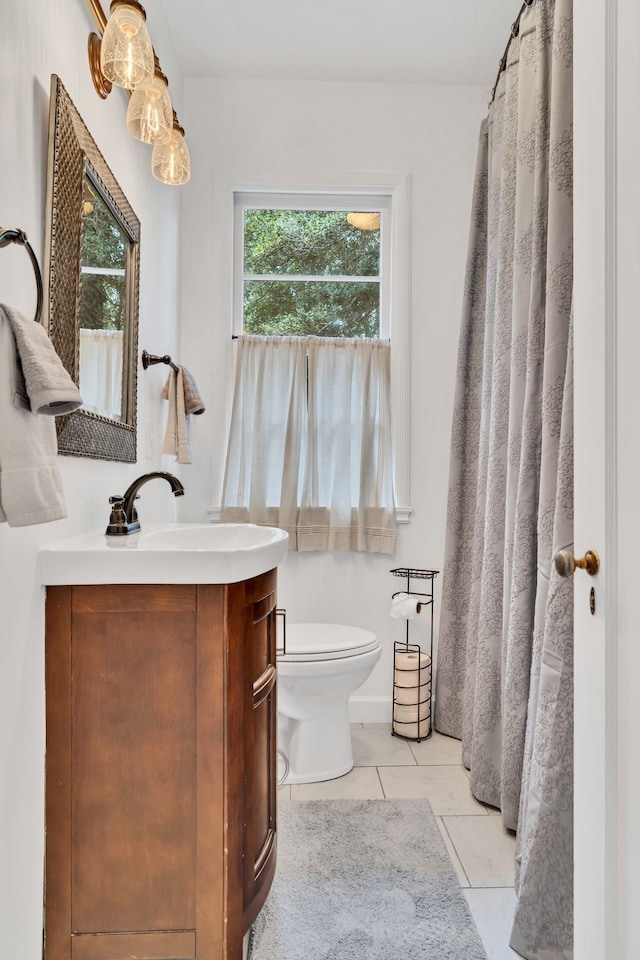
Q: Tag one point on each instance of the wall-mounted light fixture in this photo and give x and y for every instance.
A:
(170, 161)
(123, 55)
(126, 51)
(150, 114)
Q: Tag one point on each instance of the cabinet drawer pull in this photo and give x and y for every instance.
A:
(262, 608)
(264, 685)
(281, 651)
(264, 854)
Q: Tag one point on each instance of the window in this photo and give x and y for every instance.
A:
(344, 193)
(310, 443)
(304, 266)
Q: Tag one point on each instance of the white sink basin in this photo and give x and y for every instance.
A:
(165, 553)
(209, 536)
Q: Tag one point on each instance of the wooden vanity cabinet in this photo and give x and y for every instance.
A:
(160, 768)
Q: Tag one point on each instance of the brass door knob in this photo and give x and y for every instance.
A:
(566, 563)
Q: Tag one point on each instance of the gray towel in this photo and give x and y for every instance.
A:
(192, 399)
(42, 383)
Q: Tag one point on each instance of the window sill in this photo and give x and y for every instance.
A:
(403, 514)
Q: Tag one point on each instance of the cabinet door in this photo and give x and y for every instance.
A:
(161, 768)
(121, 772)
(260, 748)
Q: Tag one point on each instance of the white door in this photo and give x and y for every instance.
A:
(607, 476)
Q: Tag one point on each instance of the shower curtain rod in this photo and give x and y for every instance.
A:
(515, 29)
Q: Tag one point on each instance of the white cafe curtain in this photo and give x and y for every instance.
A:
(101, 372)
(310, 442)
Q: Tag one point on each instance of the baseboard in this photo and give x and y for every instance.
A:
(374, 709)
(370, 709)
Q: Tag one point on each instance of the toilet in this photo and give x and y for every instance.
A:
(323, 664)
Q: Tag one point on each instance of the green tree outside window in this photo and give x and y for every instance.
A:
(288, 251)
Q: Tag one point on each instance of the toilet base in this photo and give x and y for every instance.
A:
(316, 749)
(318, 777)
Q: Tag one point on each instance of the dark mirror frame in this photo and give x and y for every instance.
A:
(71, 150)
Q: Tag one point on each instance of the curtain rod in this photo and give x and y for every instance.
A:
(515, 30)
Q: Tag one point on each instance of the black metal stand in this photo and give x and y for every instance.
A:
(410, 697)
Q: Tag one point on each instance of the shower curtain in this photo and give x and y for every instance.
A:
(504, 678)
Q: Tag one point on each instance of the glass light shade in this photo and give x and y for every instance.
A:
(126, 52)
(150, 114)
(170, 160)
(364, 221)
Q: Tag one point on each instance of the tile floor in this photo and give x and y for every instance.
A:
(481, 849)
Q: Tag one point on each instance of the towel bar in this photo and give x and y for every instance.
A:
(149, 359)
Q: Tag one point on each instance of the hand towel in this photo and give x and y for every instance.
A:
(176, 438)
(192, 399)
(30, 481)
(404, 607)
(41, 383)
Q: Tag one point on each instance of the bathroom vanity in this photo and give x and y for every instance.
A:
(160, 762)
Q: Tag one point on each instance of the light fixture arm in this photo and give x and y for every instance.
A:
(177, 125)
(98, 14)
(158, 69)
(103, 87)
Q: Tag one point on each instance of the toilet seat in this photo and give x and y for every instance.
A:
(314, 641)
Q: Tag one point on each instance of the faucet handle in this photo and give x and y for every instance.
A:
(117, 521)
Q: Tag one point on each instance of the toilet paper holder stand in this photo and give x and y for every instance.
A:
(412, 727)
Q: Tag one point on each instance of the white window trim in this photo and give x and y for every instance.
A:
(398, 187)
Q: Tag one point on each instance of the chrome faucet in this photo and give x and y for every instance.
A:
(124, 517)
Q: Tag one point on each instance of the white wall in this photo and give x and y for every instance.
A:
(249, 131)
(40, 38)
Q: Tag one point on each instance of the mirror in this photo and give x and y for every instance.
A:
(92, 250)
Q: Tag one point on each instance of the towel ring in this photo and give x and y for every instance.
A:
(19, 236)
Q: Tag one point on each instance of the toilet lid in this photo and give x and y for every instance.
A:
(326, 641)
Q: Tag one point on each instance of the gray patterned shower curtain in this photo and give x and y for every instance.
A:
(505, 656)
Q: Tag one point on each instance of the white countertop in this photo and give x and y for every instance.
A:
(165, 553)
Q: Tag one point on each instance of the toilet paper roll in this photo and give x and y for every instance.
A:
(410, 695)
(404, 607)
(411, 669)
(409, 714)
(412, 678)
(412, 730)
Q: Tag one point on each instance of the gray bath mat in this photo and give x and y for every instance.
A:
(363, 880)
